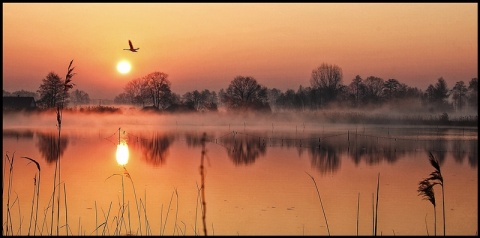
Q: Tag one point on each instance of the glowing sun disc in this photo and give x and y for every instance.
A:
(124, 67)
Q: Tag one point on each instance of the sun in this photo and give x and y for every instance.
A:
(124, 67)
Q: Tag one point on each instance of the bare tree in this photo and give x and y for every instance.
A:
(79, 97)
(328, 79)
(158, 89)
(373, 89)
(244, 93)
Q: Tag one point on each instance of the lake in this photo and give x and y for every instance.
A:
(259, 177)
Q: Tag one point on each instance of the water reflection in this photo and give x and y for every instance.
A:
(18, 134)
(154, 149)
(122, 154)
(244, 149)
(49, 147)
(324, 149)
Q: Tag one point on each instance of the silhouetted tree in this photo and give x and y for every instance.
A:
(459, 95)
(158, 89)
(356, 89)
(200, 101)
(473, 93)
(244, 93)
(122, 98)
(286, 100)
(328, 79)
(24, 93)
(135, 92)
(437, 95)
(373, 90)
(391, 89)
(272, 95)
(79, 97)
(52, 91)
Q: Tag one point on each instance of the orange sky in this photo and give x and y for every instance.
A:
(205, 45)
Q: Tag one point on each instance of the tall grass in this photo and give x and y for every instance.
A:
(67, 85)
(202, 175)
(426, 186)
(321, 204)
(8, 226)
(36, 194)
(425, 189)
(376, 208)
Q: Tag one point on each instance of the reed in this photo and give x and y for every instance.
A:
(426, 185)
(425, 189)
(37, 195)
(166, 216)
(321, 204)
(202, 176)
(176, 212)
(135, 194)
(358, 210)
(67, 85)
(33, 203)
(376, 208)
(8, 226)
(121, 206)
(66, 208)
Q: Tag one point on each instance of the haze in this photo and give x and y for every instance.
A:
(205, 45)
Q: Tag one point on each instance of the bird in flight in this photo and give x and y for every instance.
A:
(131, 47)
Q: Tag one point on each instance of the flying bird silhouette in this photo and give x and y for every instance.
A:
(131, 47)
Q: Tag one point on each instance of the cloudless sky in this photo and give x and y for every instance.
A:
(205, 45)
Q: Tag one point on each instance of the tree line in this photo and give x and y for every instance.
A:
(244, 93)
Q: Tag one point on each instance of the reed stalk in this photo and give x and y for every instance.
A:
(106, 219)
(202, 175)
(358, 210)
(176, 213)
(9, 192)
(135, 194)
(33, 202)
(376, 209)
(321, 204)
(426, 187)
(196, 209)
(37, 191)
(166, 216)
(66, 208)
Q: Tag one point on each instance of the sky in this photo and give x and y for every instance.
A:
(206, 45)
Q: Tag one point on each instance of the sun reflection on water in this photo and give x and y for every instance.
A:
(122, 153)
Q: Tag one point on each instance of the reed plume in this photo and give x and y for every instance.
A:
(425, 189)
(426, 185)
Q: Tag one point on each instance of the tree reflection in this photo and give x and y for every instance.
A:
(154, 150)
(459, 151)
(48, 146)
(18, 134)
(473, 155)
(244, 149)
(438, 149)
(325, 159)
(195, 140)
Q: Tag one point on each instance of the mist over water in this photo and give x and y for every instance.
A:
(133, 116)
(255, 169)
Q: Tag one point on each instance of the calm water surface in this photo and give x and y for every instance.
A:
(256, 179)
